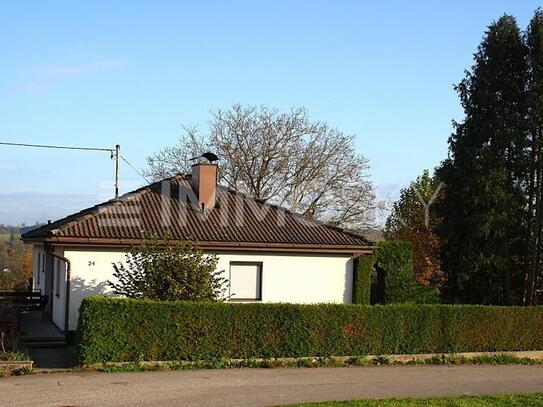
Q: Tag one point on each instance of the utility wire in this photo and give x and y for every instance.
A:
(110, 150)
(5, 143)
(134, 168)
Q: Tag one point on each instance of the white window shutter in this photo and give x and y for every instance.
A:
(245, 281)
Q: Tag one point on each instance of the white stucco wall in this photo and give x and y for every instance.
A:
(289, 277)
(90, 271)
(299, 278)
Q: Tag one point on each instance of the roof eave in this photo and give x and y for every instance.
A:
(215, 246)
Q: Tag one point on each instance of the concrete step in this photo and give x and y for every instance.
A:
(43, 338)
(44, 341)
(45, 344)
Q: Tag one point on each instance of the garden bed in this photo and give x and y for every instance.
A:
(13, 361)
(15, 367)
(478, 358)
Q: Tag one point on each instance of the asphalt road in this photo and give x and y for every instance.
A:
(263, 387)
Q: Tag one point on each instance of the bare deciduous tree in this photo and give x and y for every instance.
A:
(281, 158)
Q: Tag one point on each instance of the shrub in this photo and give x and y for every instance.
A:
(416, 294)
(168, 269)
(394, 257)
(362, 279)
(421, 294)
(115, 329)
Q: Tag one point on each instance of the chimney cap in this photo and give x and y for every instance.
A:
(209, 156)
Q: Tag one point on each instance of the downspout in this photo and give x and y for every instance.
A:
(68, 275)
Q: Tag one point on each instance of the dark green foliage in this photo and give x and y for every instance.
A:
(362, 279)
(421, 294)
(113, 329)
(395, 258)
(169, 270)
(484, 203)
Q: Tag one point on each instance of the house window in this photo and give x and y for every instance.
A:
(245, 281)
(57, 279)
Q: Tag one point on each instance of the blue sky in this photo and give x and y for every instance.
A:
(100, 73)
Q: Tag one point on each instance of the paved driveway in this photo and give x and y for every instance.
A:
(263, 387)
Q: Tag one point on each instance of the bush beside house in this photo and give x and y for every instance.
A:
(395, 259)
(168, 269)
(362, 270)
(114, 329)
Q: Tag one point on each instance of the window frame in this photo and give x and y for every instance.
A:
(260, 266)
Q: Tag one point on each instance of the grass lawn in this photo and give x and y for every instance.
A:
(506, 400)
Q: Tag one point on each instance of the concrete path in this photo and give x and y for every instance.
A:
(264, 387)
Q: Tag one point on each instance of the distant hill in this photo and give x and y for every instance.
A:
(24, 229)
(16, 229)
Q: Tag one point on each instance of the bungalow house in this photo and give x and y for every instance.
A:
(267, 253)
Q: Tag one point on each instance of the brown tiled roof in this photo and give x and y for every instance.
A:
(163, 208)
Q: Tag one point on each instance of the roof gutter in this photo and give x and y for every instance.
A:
(215, 246)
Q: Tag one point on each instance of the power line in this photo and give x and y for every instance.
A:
(134, 168)
(5, 143)
(115, 154)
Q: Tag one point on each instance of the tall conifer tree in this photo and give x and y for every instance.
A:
(534, 42)
(482, 233)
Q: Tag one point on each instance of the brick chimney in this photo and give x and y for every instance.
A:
(204, 184)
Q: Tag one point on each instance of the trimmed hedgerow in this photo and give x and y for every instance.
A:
(117, 330)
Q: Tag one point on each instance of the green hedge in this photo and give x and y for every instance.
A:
(426, 295)
(113, 329)
(363, 266)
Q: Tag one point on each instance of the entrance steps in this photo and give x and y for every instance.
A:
(44, 342)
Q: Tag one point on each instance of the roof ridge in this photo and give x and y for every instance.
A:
(296, 214)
